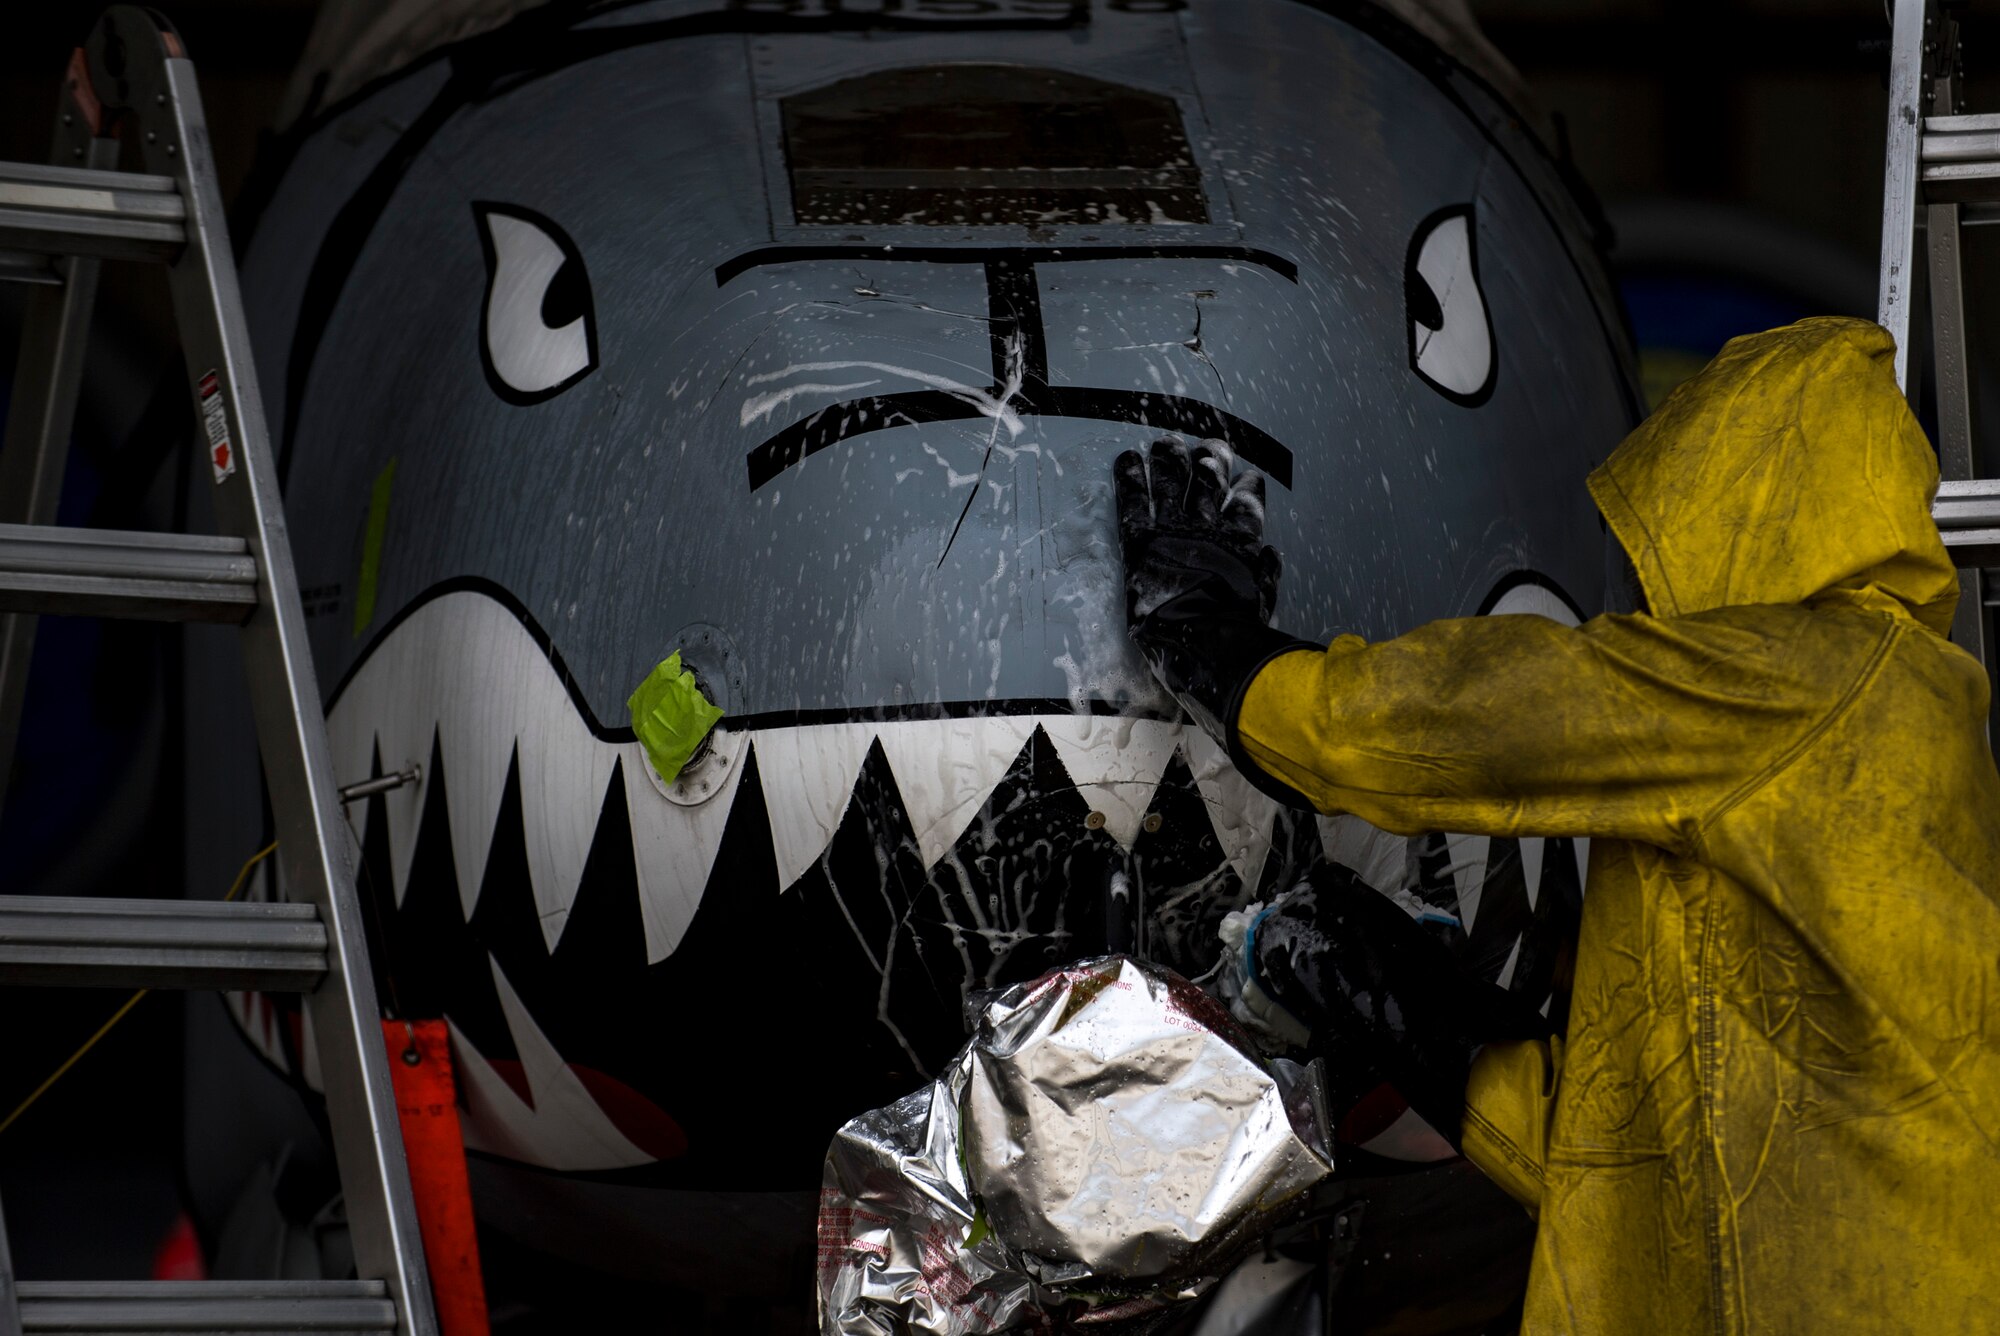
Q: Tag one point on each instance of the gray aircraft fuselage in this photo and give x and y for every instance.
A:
(799, 337)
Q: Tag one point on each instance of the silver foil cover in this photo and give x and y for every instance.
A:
(1106, 1145)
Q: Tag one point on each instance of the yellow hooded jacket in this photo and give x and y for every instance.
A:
(1777, 1108)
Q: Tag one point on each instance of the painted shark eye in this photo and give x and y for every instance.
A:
(537, 331)
(1451, 335)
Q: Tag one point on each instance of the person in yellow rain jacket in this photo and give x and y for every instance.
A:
(1777, 1105)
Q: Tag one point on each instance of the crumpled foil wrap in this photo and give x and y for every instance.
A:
(1107, 1144)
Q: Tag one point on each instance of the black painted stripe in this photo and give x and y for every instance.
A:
(856, 417)
(1164, 412)
(763, 256)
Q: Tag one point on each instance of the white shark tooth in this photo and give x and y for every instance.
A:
(1116, 765)
(808, 775)
(475, 761)
(461, 670)
(270, 1030)
(563, 1128)
(674, 847)
(946, 769)
(257, 1017)
(377, 713)
(1468, 855)
(350, 736)
(502, 689)
(565, 773)
(1371, 853)
(1531, 869)
(1506, 975)
(405, 724)
(406, 737)
(496, 1120)
(1532, 599)
(1409, 1138)
(1242, 815)
(1532, 852)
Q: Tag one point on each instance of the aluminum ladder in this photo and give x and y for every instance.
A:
(57, 224)
(1942, 173)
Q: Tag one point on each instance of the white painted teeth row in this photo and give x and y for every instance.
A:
(464, 670)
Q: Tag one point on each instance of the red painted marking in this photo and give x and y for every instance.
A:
(428, 1104)
(644, 1123)
(179, 1255)
(640, 1121)
(222, 456)
(1371, 1115)
(83, 94)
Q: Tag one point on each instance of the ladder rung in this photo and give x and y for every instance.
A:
(1973, 547)
(1968, 518)
(28, 267)
(1962, 182)
(1960, 158)
(1959, 145)
(88, 942)
(117, 573)
(1946, 126)
(80, 211)
(136, 1306)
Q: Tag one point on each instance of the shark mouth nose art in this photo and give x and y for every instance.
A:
(604, 946)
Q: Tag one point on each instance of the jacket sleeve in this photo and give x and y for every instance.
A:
(1633, 727)
(1510, 1099)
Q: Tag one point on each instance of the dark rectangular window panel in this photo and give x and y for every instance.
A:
(973, 145)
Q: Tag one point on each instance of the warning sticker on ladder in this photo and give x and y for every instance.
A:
(221, 454)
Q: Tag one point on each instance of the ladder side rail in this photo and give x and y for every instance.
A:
(1972, 625)
(1948, 350)
(157, 82)
(1899, 188)
(10, 1292)
(42, 409)
(48, 375)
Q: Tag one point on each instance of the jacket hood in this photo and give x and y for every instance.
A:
(1790, 470)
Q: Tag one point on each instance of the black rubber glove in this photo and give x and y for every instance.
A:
(1200, 583)
(1382, 997)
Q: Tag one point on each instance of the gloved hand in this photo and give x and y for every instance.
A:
(1200, 582)
(1380, 997)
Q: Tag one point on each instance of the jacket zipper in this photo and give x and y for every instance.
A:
(1710, 1059)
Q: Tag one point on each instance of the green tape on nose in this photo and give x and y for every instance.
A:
(371, 548)
(671, 716)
